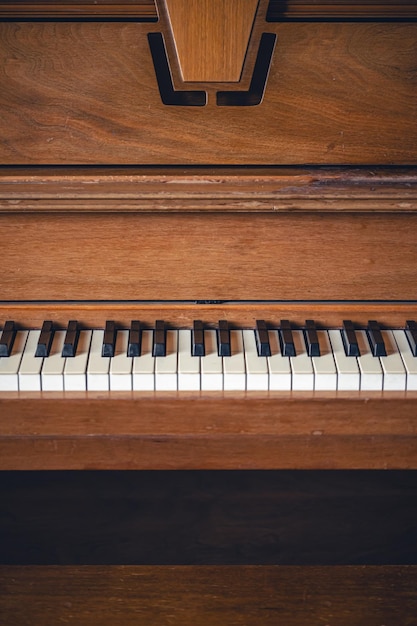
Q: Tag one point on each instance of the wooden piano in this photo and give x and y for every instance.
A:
(210, 160)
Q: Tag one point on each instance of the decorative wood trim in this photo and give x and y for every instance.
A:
(145, 10)
(272, 190)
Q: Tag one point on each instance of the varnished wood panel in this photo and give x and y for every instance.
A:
(337, 93)
(208, 431)
(224, 189)
(208, 257)
(211, 36)
(146, 10)
(342, 596)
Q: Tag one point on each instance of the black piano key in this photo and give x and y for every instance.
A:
(135, 339)
(69, 348)
(411, 332)
(350, 341)
(45, 340)
(159, 339)
(109, 339)
(286, 339)
(197, 339)
(262, 338)
(375, 339)
(223, 339)
(311, 338)
(7, 338)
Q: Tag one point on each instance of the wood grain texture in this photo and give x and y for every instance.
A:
(146, 10)
(223, 189)
(342, 596)
(208, 431)
(208, 257)
(211, 37)
(337, 93)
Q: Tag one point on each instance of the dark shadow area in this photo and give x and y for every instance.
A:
(208, 517)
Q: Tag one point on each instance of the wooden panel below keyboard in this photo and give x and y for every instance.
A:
(231, 430)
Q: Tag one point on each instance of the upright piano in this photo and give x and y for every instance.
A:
(213, 205)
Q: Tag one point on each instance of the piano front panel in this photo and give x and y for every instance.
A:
(338, 92)
(206, 256)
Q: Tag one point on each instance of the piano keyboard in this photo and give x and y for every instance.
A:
(209, 360)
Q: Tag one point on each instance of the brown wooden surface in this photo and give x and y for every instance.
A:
(337, 93)
(273, 430)
(211, 39)
(208, 257)
(224, 189)
(146, 10)
(342, 596)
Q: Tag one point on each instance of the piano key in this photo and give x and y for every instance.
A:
(311, 338)
(223, 339)
(375, 338)
(135, 339)
(262, 338)
(166, 366)
(52, 373)
(98, 366)
(9, 366)
(348, 374)
(325, 373)
(71, 339)
(395, 378)
(45, 340)
(188, 365)
(369, 366)
(286, 338)
(234, 371)
(144, 365)
(7, 338)
(411, 332)
(211, 364)
(350, 341)
(256, 366)
(75, 370)
(278, 365)
(121, 364)
(410, 362)
(159, 339)
(109, 339)
(30, 365)
(198, 348)
(301, 365)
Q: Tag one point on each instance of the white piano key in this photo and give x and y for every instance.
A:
(325, 375)
(98, 366)
(395, 378)
(121, 364)
(30, 365)
(75, 370)
(9, 366)
(348, 375)
(256, 366)
(369, 365)
(301, 365)
(166, 366)
(188, 366)
(52, 374)
(278, 365)
(234, 370)
(211, 364)
(144, 365)
(409, 360)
